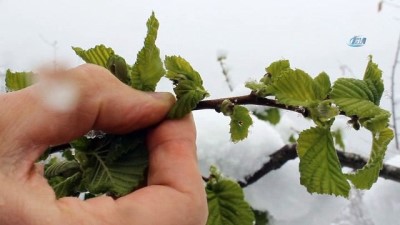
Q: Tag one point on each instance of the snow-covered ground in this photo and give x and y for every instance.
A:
(313, 35)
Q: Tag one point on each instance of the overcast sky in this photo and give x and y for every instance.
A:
(312, 34)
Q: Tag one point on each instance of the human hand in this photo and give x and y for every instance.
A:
(30, 122)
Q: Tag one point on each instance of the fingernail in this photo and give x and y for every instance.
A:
(162, 96)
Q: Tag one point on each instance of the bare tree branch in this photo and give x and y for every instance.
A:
(288, 152)
(395, 63)
(277, 160)
(221, 59)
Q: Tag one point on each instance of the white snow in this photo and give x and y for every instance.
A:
(234, 159)
(355, 213)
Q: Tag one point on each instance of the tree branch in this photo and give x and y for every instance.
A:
(221, 59)
(288, 152)
(392, 76)
(277, 160)
(250, 99)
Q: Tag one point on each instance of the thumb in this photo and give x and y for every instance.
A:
(97, 100)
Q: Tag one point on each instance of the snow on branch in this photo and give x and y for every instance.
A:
(288, 152)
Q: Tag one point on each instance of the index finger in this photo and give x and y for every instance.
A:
(172, 150)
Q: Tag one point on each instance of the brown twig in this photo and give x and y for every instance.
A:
(250, 99)
(221, 59)
(288, 152)
(277, 160)
(395, 63)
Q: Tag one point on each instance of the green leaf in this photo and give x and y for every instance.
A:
(352, 88)
(18, 80)
(148, 68)
(179, 69)
(271, 115)
(189, 88)
(122, 144)
(227, 107)
(226, 203)
(355, 97)
(81, 144)
(322, 85)
(323, 113)
(258, 88)
(63, 176)
(98, 55)
(117, 66)
(240, 123)
(65, 186)
(188, 96)
(373, 78)
(114, 164)
(368, 175)
(68, 154)
(275, 69)
(262, 217)
(292, 139)
(338, 138)
(320, 169)
(63, 168)
(295, 88)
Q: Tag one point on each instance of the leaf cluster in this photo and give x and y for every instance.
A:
(320, 169)
(113, 165)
